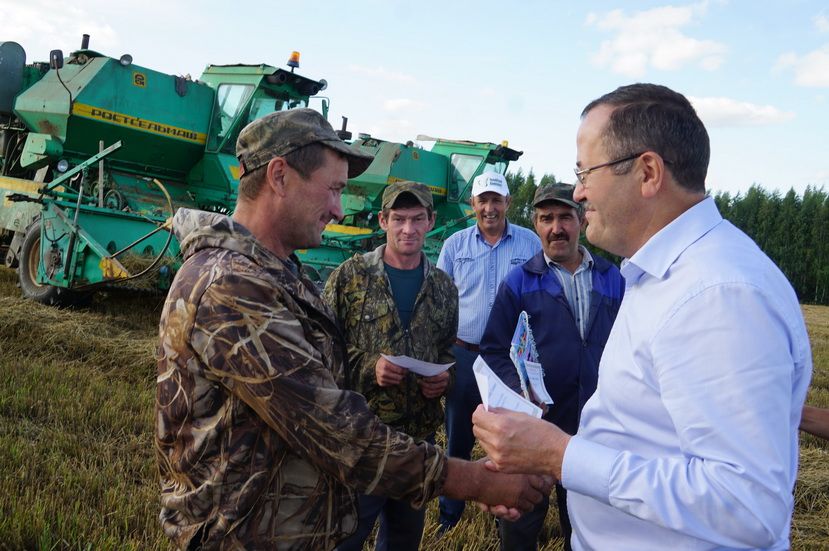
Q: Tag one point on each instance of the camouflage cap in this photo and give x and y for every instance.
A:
(418, 191)
(284, 132)
(563, 193)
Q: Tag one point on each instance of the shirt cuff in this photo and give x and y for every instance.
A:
(586, 468)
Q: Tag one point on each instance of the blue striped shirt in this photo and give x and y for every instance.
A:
(477, 268)
(577, 287)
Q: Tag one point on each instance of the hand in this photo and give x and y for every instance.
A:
(507, 495)
(435, 386)
(500, 511)
(543, 483)
(519, 443)
(387, 373)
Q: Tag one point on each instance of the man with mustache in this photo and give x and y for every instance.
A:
(571, 298)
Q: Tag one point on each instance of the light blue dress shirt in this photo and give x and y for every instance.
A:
(690, 441)
(477, 268)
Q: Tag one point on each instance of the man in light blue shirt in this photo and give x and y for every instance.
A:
(477, 259)
(690, 441)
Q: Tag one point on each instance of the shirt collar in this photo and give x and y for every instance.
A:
(586, 260)
(507, 230)
(657, 255)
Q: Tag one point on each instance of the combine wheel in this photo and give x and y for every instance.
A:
(27, 271)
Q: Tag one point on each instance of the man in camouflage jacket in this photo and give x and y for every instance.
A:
(258, 445)
(394, 301)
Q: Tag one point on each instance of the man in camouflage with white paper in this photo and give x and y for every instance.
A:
(393, 301)
(258, 445)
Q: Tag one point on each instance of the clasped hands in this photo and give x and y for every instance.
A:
(519, 443)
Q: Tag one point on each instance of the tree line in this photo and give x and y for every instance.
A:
(792, 230)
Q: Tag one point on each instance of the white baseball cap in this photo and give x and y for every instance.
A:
(490, 181)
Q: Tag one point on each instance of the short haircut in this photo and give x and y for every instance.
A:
(251, 183)
(406, 201)
(304, 160)
(650, 117)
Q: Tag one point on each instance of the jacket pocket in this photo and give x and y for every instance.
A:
(369, 319)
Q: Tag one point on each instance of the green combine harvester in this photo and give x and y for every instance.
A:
(97, 153)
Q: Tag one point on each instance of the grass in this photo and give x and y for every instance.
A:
(77, 469)
(76, 401)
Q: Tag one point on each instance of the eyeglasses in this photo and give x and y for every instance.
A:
(582, 174)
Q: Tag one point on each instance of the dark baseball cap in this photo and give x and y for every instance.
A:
(563, 193)
(416, 189)
(284, 132)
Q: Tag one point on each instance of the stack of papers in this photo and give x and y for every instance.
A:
(496, 394)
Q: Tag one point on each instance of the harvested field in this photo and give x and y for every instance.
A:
(76, 410)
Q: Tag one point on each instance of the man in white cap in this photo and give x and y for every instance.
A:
(477, 259)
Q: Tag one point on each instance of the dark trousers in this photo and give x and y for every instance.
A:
(401, 525)
(461, 402)
(523, 534)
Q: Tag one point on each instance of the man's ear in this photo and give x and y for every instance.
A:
(384, 222)
(275, 175)
(653, 174)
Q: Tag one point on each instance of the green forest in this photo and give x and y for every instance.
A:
(792, 229)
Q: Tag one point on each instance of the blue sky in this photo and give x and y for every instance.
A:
(757, 71)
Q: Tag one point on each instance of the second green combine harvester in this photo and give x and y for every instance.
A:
(96, 153)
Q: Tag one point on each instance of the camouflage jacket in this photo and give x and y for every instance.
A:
(360, 294)
(255, 439)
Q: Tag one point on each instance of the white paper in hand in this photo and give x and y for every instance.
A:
(427, 369)
(496, 394)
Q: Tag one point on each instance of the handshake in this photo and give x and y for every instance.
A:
(524, 456)
(504, 495)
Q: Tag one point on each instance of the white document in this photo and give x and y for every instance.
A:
(535, 376)
(496, 394)
(420, 367)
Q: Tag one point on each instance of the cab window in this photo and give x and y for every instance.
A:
(231, 98)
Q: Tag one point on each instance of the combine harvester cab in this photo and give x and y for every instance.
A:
(97, 153)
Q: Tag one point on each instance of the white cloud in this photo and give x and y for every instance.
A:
(731, 112)
(381, 73)
(654, 39)
(42, 25)
(396, 130)
(822, 23)
(811, 69)
(400, 104)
